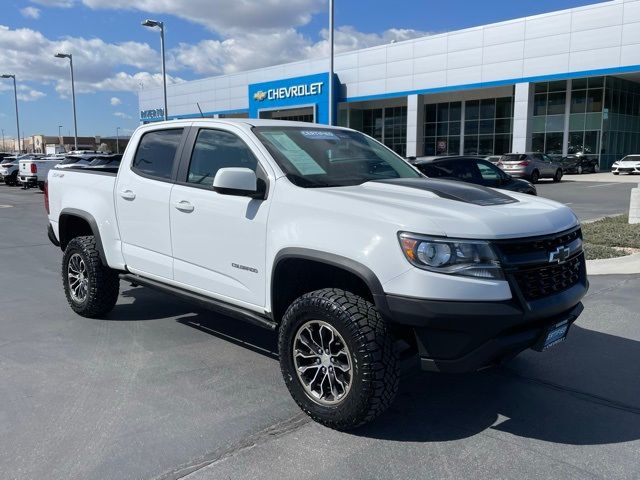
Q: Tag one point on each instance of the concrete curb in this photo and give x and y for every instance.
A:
(628, 264)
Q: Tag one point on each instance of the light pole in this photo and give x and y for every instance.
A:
(3, 149)
(331, 93)
(118, 140)
(60, 134)
(73, 96)
(153, 24)
(15, 97)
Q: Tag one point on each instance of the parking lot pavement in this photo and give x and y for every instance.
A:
(162, 390)
(604, 177)
(590, 200)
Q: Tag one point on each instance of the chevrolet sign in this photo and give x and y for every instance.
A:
(293, 91)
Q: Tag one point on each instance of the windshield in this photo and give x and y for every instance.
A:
(314, 157)
(631, 158)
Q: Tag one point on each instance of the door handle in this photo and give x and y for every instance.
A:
(128, 194)
(184, 206)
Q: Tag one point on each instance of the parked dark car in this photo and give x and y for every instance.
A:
(579, 164)
(108, 163)
(472, 170)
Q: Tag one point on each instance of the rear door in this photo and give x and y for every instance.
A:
(142, 195)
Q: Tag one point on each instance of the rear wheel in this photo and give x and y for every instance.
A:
(616, 173)
(596, 168)
(337, 358)
(558, 176)
(91, 288)
(535, 176)
(579, 170)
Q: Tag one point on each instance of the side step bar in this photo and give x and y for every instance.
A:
(204, 301)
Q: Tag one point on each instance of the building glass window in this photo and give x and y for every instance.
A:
(620, 119)
(387, 125)
(442, 128)
(488, 126)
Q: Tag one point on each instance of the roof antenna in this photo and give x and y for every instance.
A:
(201, 114)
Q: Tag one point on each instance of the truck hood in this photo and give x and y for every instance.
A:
(453, 209)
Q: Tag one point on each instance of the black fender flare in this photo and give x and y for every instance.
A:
(67, 213)
(359, 270)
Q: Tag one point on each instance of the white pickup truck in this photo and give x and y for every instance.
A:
(330, 238)
(33, 172)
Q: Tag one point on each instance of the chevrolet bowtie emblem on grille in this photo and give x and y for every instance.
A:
(260, 95)
(559, 255)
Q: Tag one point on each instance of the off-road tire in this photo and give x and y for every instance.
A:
(374, 382)
(103, 282)
(557, 178)
(535, 176)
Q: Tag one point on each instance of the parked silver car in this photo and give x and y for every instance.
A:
(532, 166)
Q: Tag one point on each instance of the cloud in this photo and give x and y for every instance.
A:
(97, 64)
(122, 115)
(246, 51)
(27, 94)
(225, 16)
(115, 101)
(30, 12)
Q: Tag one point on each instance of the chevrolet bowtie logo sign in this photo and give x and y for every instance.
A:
(260, 95)
(559, 255)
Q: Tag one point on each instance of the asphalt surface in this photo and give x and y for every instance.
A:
(589, 199)
(162, 390)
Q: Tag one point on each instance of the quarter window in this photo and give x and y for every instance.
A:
(156, 153)
(216, 149)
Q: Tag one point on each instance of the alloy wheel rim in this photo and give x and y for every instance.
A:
(323, 362)
(78, 278)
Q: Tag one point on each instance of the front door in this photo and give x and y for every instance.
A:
(219, 240)
(142, 197)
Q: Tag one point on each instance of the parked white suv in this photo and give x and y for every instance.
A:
(330, 238)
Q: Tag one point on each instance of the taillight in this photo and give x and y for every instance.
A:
(34, 168)
(46, 196)
(524, 164)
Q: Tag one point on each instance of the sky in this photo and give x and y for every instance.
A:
(114, 56)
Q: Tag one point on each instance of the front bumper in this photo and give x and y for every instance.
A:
(460, 336)
(615, 169)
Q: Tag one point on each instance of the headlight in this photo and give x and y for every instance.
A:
(471, 258)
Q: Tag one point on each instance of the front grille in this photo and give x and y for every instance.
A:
(527, 263)
(526, 246)
(536, 283)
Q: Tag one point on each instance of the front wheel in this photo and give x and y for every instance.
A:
(91, 288)
(337, 358)
(558, 176)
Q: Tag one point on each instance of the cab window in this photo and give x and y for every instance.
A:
(156, 154)
(216, 149)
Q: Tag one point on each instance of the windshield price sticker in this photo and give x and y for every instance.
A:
(301, 160)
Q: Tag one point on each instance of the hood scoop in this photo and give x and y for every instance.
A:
(453, 190)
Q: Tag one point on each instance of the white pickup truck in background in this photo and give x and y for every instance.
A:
(330, 238)
(33, 172)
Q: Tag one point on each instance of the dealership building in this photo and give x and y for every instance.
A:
(561, 82)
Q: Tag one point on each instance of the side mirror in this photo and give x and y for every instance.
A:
(241, 182)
